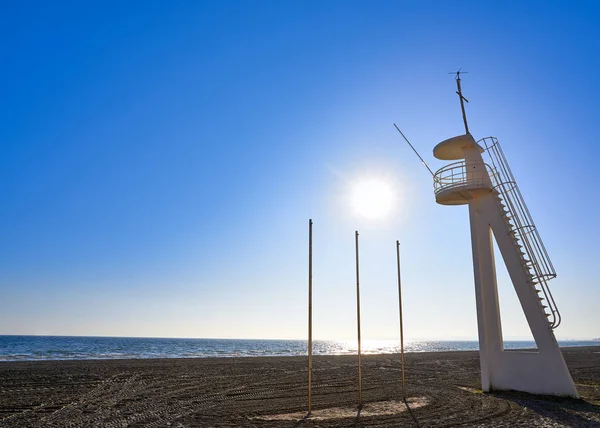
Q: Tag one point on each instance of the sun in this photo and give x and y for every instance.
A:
(372, 198)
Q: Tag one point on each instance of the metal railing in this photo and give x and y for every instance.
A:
(536, 261)
(457, 175)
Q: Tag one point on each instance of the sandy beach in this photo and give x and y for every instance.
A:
(443, 390)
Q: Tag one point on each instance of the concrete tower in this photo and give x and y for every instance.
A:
(482, 179)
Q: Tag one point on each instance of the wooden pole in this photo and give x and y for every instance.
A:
(310, 223)
(360, 397)
(401, 327)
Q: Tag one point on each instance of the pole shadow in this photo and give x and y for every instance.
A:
(410, 412)
(357, 419)
(303, 420)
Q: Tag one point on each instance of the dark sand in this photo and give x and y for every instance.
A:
(271, 392)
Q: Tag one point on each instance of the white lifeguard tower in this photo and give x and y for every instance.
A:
(482, 179)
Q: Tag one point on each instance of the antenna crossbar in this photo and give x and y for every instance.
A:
(462, 99)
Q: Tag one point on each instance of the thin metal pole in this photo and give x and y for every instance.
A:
(401, 327)
(360, 397)
(414, 150)
(310, 223)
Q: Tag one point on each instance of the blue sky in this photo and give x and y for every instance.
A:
(161, 161)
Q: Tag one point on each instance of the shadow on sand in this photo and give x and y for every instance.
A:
(301, 421)
(563, 410)
(357, 419)
(410, 412)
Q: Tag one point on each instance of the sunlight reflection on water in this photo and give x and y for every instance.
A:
(345, 347)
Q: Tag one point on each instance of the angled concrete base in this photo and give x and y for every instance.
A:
(541, 372)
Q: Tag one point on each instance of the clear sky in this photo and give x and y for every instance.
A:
(160, 161)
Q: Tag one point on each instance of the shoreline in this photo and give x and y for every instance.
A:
(593, 348)
(443, 387)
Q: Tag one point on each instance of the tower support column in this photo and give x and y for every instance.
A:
(486, 293)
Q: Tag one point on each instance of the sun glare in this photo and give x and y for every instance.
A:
(372, 198)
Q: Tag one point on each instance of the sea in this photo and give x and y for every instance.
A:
(37, 348)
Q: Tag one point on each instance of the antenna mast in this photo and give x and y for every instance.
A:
(414, 150)
(462, 100)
